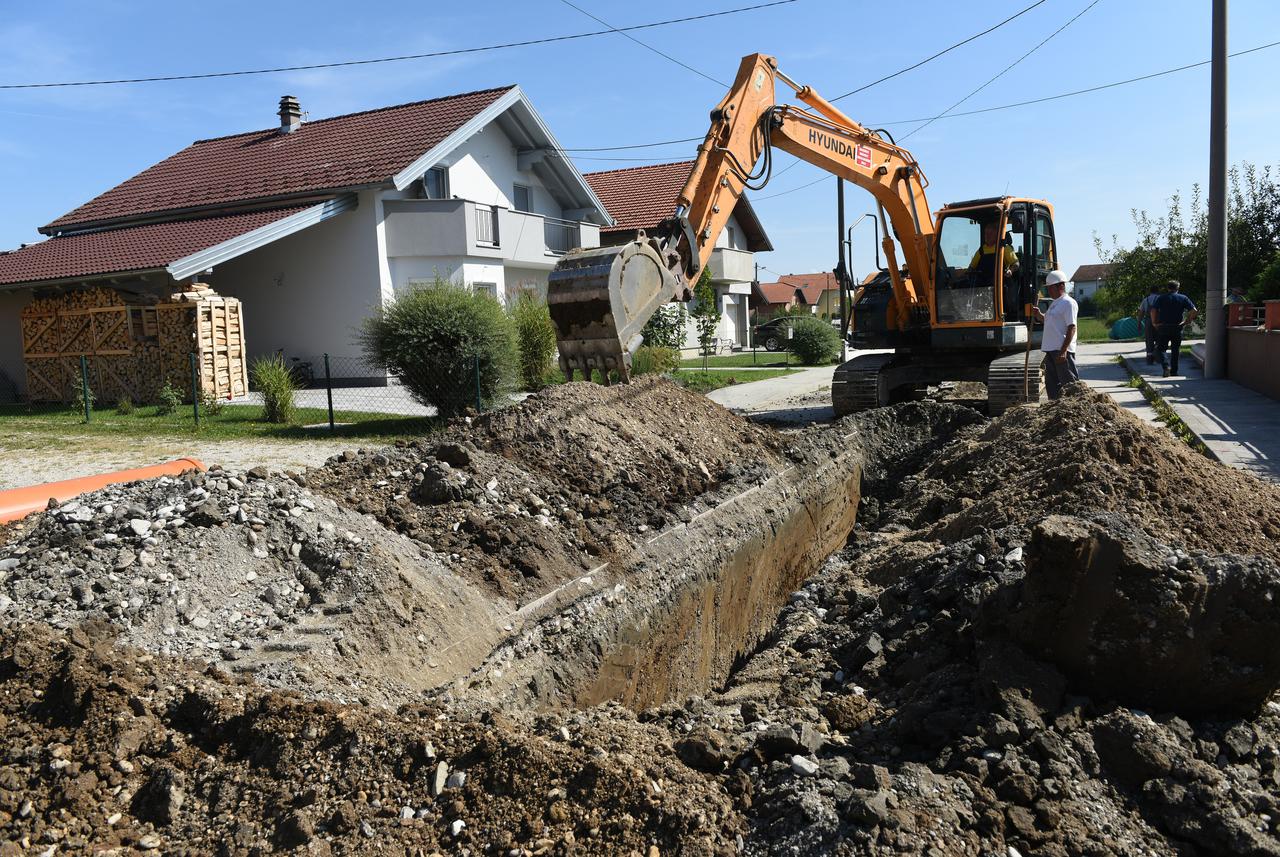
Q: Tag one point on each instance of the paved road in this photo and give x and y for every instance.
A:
(1240, 427)
(759, 395)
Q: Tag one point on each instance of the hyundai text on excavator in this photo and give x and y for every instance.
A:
(958, 309)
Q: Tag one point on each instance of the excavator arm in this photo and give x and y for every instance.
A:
(601, 298)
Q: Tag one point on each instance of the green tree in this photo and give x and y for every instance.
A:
(705, 312)
(432, 337)
(1267, 286)
(1175, 246)
(535, 339)
(814, 341)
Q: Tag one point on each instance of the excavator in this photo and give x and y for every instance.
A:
(958, 308)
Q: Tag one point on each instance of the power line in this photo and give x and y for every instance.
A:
(401, 58)
(647, 46)
(1002, 71)
(948, 50)
(634, 146)
(1085, 91)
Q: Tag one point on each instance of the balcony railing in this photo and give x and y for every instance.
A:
(487, 224)
(560, 236)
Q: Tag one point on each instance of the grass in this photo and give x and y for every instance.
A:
(1165, 412)
(233, 422)
(714, 379)
(763, 359)
(1090, 329)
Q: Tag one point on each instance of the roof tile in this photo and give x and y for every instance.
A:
(639, 197)
(327, 154)
(131, 248)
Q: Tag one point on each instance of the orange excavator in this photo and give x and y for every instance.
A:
(958, 307)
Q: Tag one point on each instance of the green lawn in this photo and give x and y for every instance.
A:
(232, 421)
(1092, 329)
(714, 379)
(761, 358)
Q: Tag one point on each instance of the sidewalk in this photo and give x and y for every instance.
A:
(758, 395)
(1240, 427)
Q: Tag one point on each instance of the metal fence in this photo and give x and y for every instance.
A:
(560, 236)
(487, 224)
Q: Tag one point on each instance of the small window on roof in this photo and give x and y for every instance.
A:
(435, 183)
(522, 199)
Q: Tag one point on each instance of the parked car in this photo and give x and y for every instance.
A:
(773, 333)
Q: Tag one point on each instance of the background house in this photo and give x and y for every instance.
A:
(312, 225)
(769, 299)
(1088, 279)
(642, 197)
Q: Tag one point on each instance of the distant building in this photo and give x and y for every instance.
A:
(1088, 279)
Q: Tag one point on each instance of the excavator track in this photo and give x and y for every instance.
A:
(1006, 385)
(858, 385)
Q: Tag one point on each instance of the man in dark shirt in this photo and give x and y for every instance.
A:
(1172, 311)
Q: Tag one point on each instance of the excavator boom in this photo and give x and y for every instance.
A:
(601, 298)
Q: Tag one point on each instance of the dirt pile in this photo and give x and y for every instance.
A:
(526, 497)
(1130, 620)
(111, 751)
(1086, 454)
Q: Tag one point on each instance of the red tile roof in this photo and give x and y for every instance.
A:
(326, 154)
(639, 197)
(777, 293)
(1089, 273)
(811, 286)
(130, 248)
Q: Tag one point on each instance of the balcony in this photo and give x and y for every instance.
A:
(457, 227)
(733, 266)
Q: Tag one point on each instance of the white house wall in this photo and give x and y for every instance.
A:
(11, 304)
(307, 293)
(485, 169)
(739, 240)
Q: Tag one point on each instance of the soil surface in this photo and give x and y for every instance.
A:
(1051, 634)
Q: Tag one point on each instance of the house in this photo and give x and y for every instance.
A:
(312, 225)
(1088, 279)
(642, 197)
(819, 292)
(769, 299)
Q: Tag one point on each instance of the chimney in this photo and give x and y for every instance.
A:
(290, 114)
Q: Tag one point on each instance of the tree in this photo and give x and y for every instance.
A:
(535, 339)
(665, 328)
(1175, 246)
(706, 312)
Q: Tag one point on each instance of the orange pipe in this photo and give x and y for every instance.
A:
(19, 502)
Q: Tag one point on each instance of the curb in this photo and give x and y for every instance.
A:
(1134, 368)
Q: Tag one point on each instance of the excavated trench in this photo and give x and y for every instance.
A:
(673, 618)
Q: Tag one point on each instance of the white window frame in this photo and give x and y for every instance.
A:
(515, 198)
(443, 173)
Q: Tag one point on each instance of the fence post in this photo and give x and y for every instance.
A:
(195, 388)
(328, 389)
(84, 388)
(479, 398)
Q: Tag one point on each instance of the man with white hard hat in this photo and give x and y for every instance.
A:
(1059, 340)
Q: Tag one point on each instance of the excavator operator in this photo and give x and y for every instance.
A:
(982, 269)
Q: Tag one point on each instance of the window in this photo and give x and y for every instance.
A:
(435, 183)
(522, 199)
(733, 237)
(490, 289)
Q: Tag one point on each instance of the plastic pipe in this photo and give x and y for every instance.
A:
(19, 502)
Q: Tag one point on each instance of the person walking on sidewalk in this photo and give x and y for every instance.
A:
(1144, 316)
(1058, 341)
(1172, 312)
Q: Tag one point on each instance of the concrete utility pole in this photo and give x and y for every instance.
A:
(1215, 342)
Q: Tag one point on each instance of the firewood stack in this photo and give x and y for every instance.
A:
(134, 344)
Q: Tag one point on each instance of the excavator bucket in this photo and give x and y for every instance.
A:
(599, 301)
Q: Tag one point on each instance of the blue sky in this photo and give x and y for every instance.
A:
(1095, 157)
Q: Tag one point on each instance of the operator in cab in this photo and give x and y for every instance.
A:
(982, 268)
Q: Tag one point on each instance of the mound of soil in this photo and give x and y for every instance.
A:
(1084, 453)
(107, 748)
(528, 496)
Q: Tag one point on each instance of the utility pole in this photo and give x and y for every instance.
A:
(1215, 341)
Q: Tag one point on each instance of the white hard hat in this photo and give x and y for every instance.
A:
(1054, 278)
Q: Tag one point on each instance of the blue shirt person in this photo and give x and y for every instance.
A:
(1171, 312)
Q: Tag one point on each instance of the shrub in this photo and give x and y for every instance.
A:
(211, 404)
(665, 328)
(169, 399)
(651, 360)
(274, 381)
(124, 406)
(535, 339)
(78, 391)
(431, 338)
(814, 341)
(706, 312)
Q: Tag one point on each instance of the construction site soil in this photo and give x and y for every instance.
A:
(1049, 634)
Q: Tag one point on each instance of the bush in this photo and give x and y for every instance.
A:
(431, 337)
(124, 406)
(666, 327)
(535, 339)
(814, 341)
(1266, 287)
(272, 378)
(211, 404)
(169, 399)
(651, 360)
(78, 391)
(706, 312)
